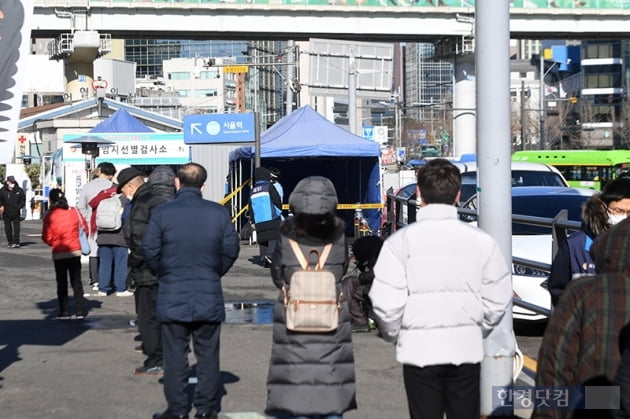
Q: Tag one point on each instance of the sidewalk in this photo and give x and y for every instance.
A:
(83, 369)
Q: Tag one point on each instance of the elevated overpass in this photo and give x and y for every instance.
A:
(373, 20)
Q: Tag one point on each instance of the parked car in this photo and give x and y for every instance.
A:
(535, 242)
(430, 150)
(523, 174)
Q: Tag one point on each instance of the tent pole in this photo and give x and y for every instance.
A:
(257, 139)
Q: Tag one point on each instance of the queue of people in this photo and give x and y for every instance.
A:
(176, 264)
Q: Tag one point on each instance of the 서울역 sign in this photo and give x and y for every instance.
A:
(219, 128)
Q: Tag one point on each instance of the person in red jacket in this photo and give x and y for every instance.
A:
(61, 232)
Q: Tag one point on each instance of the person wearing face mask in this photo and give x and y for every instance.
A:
(600, 212)
(12, 200)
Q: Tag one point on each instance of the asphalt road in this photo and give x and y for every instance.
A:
(83, 369)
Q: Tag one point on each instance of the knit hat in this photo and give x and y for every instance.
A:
(314, 195)
(162, 175)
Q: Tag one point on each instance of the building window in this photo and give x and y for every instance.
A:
(606, 49)
(183, 93)
(214, 74)
(179, 75)
(206, 92)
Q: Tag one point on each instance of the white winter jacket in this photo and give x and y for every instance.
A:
(440, 285)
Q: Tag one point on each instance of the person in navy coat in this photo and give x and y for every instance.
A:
(190, 243)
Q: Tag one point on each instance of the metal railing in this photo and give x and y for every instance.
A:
(559, 226)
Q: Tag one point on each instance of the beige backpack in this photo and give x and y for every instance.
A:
(311, 302)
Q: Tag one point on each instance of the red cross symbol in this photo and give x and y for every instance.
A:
(22, 139)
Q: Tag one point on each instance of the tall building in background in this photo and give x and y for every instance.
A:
(263, 83)
(149, 54)
(524, 49)
(605, 80)
(428, 87)
(267, 79)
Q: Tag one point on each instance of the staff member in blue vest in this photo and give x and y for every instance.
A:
(265, 206)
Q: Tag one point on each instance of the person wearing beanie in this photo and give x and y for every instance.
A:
(321, 382)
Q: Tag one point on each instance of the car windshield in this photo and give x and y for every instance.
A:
(519, 178)
(546, 206)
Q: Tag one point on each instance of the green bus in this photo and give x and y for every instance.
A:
(582, 168)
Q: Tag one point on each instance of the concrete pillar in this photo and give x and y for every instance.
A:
(492, 51)
(464, 98)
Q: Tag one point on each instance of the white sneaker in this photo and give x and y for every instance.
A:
(124, 294)
(101, 294)
(95, 286)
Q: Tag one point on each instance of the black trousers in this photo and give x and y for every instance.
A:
(438, 389)
(63, 268)
(148, 326)
(12, 229)
(176, 340)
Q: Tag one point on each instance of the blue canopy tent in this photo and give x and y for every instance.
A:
(305, 143)
(121, 121)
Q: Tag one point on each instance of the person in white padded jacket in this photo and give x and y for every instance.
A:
(440, 286)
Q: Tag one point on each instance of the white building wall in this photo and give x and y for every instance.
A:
(189, 75)
(44, 75)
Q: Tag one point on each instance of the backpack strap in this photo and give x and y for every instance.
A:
(321, 260)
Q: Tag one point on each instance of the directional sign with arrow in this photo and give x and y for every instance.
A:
(219, 128)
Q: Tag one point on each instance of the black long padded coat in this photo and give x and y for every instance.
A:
(310, 373)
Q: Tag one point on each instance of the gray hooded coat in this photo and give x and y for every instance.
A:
(310, 373)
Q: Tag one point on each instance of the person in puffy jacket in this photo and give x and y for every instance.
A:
(311, 374)
(12, 201)
(61, 231)
(159, 188)
(189, 244)
(440, 285)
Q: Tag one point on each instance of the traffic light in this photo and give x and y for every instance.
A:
(573, 100)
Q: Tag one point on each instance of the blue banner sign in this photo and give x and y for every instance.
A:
(219, 128)
(368, 133)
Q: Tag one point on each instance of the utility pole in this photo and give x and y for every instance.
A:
(290, 76)
(492, 51)
(523, 115)
(542, 100)
(352, 94)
